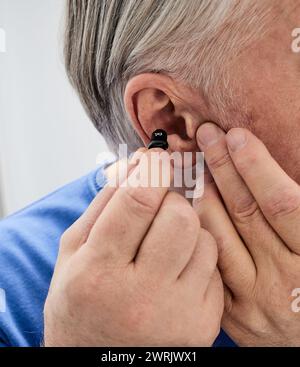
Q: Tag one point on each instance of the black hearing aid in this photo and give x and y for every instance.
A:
(159, 139)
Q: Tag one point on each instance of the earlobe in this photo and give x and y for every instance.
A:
(153, 101)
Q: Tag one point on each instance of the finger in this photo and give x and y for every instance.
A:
(215, 295)
(275, 192)
(171, 240)
(234, 261)
(118, 232)
(203, 263)
(228, 303)
(77, 234)
(240, 203)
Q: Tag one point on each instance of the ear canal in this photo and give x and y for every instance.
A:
(173, 123)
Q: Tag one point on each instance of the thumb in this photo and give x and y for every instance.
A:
(77, 234)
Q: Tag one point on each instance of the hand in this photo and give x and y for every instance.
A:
(258, 236)
(135, 270)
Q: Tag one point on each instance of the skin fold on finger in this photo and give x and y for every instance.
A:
(276, 193)
(131, 210)
(234, 261)
(228, 300)
(229, 310)
(202, 266)
(216, 289)
(242, 207)
(78, 233)
(170, 241)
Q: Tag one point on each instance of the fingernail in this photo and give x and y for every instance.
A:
(208, 134)
(236, 139)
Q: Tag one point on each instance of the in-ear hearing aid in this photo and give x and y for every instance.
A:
(159, 139)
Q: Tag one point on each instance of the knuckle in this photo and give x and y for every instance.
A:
(222, 244)
(208, 242)
(142, 200)
(191, 219)
(210, 267)
(245, 209)
(225, 252)
(181, 213)
(282, 202)
(66, 238)
(219, 160)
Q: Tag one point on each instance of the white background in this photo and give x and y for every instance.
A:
(46, 140)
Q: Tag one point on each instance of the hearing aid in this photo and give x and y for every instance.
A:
(159, 139)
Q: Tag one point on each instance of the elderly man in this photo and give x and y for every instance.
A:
(138, 267)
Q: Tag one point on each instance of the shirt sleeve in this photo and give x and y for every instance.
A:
(29, 242)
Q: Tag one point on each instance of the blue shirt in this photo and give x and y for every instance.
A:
(29, 241)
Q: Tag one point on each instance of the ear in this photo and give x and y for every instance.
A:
(155, 101)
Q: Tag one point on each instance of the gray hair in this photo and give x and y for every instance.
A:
(107, 42)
